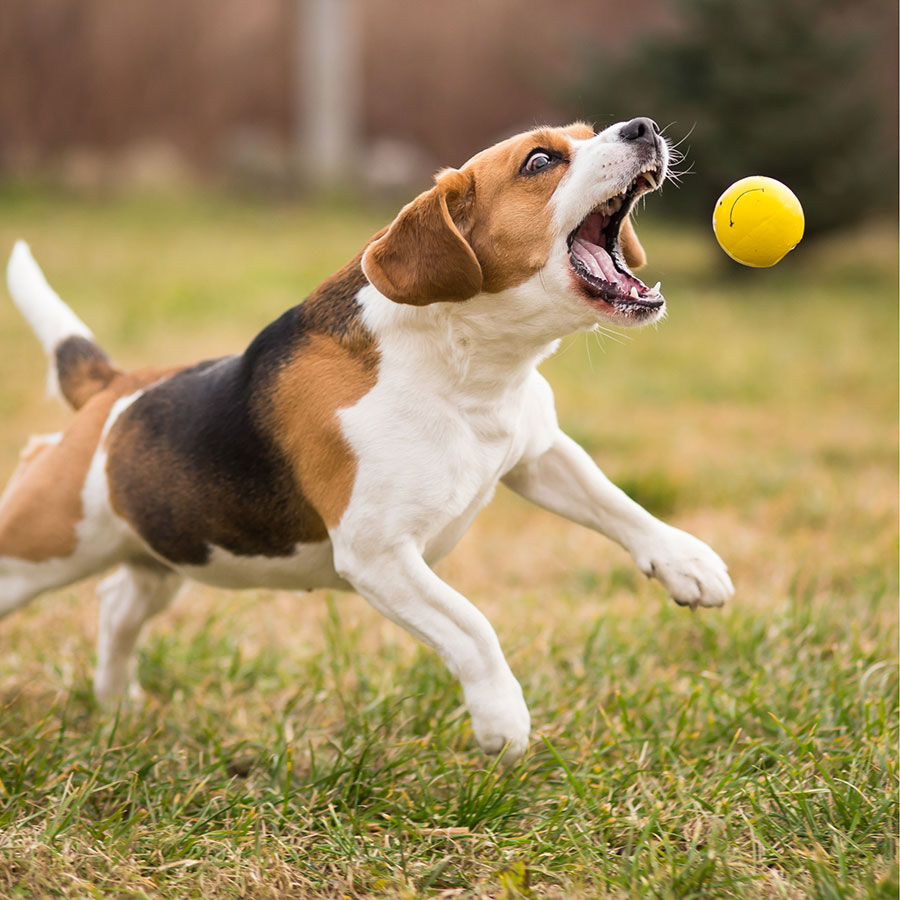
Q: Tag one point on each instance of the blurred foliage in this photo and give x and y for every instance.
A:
(792, 89)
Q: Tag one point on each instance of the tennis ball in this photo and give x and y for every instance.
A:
(757, 221)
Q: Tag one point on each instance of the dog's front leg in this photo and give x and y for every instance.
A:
(399, 583)
(565, 480)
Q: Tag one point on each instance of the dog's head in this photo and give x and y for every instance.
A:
(547, 211)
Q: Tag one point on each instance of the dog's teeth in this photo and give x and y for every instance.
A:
(655, 288)
(650, 176)
(634, 293)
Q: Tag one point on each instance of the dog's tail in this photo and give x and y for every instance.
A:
(78, 367)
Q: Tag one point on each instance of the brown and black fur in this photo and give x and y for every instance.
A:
(200, 460)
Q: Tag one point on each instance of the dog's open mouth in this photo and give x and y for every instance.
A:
(597, 259)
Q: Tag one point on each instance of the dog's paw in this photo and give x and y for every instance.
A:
(692, 572)
(500, 719)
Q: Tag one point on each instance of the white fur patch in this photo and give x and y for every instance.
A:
(601, 167)
(309, 566)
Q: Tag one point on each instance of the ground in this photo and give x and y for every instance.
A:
(301, 746)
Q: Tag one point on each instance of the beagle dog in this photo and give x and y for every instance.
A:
(354, 440)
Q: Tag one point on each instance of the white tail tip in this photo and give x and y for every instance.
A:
(20, 262)
(50, 318)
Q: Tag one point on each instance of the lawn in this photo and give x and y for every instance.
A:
(302, 746)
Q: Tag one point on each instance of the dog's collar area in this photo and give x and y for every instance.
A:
(596, 254)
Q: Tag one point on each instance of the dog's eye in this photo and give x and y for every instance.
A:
(537, 161)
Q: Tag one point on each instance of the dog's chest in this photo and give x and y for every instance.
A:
(428, 459)
(485, 447)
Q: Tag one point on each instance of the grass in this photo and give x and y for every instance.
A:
(304, 747)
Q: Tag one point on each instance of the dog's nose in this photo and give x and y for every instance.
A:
(642, 129)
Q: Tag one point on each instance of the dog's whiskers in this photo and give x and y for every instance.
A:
(677, 156)
(675, 177)
(677, 144)
(600, 331)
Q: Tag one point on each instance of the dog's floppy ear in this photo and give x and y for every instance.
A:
(631, 246)
(423, 257)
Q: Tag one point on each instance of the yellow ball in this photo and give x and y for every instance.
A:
(758, 220)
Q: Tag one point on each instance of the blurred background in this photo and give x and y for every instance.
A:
(377, 94)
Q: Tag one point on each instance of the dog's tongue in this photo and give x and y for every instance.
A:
(598, 262)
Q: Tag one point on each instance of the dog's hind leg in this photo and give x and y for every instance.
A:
(18, 585)
(41, 510)
(56, 523)
(128, 598)
(20, 578)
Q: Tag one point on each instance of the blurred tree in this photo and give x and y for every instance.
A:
(786, 88)
(327, 91)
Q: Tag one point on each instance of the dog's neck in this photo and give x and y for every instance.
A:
(483, 347)
(333, 308)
